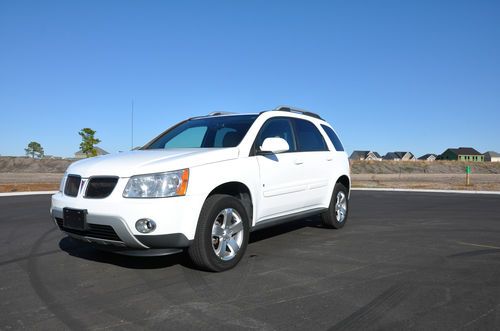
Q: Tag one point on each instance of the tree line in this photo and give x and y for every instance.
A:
(87, 146)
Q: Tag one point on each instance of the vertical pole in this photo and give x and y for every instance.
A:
(467, 175)
(132, 127)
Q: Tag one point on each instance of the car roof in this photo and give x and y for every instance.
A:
(281, 109)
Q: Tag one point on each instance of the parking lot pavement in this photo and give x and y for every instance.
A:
(404, 261)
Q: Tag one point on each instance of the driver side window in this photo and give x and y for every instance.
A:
(277, 127)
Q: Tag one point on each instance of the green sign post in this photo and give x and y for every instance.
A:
(467, 175)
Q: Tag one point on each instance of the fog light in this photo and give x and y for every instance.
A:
(145, 225)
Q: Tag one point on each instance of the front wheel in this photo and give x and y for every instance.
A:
(221, 235)
(336, 215)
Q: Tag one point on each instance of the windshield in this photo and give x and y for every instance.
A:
(217, 131)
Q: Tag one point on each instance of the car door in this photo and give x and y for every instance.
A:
(282, 178)
(317, 162)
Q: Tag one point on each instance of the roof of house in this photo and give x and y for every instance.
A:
(358, 154)
(391, 155)
(492, 153)
(374, 153)
(463, 151)
(402, 154)
(396, 155)
(426, 156)
(363, 154)
(99, 151)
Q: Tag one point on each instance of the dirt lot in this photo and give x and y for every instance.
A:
(478, 182)
(24, 181)
(423, 167)
(441, 175)
(24, 174)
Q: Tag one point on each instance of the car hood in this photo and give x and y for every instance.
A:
(150, 161)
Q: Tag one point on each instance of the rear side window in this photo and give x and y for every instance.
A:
(309, 138)
(333, 138)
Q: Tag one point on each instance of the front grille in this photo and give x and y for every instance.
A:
(94, 230)
(72, 185)
(100, 187)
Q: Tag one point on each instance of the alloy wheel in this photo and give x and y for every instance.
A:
(227, 234)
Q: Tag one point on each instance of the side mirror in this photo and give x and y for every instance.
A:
(274, 145)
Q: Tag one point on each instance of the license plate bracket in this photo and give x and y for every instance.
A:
(75, 219)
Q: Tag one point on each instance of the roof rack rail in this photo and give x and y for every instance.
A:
(218, 113)
(298, 111)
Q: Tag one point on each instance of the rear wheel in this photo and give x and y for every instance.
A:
(336, 215)
(222, 234)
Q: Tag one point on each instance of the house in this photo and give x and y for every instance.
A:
(428, 157)
(491, 156)
(461, 154)
(365, 156)
(399, 156)
(81, 155)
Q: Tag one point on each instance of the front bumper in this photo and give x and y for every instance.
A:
(111, 222)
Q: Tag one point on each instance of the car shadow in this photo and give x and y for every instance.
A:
(85, 251)
(278, 230)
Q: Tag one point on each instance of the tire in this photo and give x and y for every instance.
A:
(221, 235)
(336, 215)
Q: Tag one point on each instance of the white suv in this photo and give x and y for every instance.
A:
(205, 183)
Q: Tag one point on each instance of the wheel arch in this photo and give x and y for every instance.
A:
(346, 181)
(240, 191)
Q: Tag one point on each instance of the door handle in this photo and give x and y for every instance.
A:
(297, 162)
(329, 158)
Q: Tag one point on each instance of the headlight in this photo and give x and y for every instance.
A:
(161, 185)
(63, 181)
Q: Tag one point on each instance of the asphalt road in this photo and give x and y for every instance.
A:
(404, 261)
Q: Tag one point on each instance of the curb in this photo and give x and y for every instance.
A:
(13, 194)
(423, 190)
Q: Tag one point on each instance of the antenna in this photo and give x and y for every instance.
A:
(132, 127)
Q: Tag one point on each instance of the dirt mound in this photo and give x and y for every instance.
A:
(29, 165)
(26, 174)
